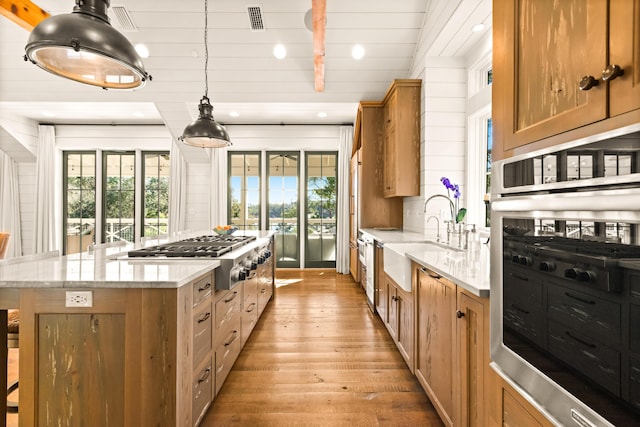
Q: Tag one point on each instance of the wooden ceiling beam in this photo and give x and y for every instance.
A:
(25, 13)
(319, 15)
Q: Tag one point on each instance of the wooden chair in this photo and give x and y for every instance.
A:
(13, 321)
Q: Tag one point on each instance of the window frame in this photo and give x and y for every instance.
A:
(260, 186)
(143, 176)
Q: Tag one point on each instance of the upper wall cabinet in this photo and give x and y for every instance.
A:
(559, 66)
(402, 139)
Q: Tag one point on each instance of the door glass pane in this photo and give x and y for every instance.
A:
(244, 194)
(80, 208)
(283, 206)
(156, 194)
(119, 196)
(321, 210)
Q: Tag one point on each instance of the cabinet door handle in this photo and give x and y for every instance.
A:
(204, 376)
(586, 301)
(587, 82)
(583, 342)
(205, 317)
(612, 72)
(205, 287)
(459, 314)
(235, 294)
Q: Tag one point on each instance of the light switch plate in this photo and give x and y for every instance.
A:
(79, 299)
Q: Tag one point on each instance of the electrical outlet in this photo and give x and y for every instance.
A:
(79, 299)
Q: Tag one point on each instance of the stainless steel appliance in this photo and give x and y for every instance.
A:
(238, 255)
(565, 274)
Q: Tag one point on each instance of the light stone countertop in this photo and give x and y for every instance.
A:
(468, 269)
(101, 269)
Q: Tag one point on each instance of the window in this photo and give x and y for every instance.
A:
(156, 194)
(104, 192)
(119, 197)
(79, 201)
(244, 190)
(283, 181)
(321, 210)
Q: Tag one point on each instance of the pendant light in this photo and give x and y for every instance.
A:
(83, 46)
(205, 132)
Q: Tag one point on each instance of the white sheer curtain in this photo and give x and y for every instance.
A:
(218, 186)
(177, 190)
(45, 218)
(10, 202)
(342, 238)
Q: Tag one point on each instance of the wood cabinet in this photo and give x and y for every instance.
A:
(452, 354)
(542, 51)
(402, 139)
(368, 206)
(435, 358)
(510, 409)
(399, 320)
(136, 357)
(227, 332)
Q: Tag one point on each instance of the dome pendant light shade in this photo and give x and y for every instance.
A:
(205, 132)
(83, 46)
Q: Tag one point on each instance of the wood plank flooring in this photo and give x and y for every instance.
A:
(319, 357)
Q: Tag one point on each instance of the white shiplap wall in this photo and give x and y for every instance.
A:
(443, 145)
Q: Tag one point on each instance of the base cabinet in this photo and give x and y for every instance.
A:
(510, 409)
(137, 357)
(452, 354)
(399, 319)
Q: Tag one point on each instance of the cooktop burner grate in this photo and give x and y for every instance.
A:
(211, 246)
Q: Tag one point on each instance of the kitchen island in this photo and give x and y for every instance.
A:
(106, 340)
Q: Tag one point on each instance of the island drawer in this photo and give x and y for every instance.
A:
(202, 288)
(227, 309)
(202, 391)
(202, 335)
(226, 354)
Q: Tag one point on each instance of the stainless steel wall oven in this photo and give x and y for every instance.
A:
(565, 274)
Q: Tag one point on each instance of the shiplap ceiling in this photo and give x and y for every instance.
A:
(244, 76)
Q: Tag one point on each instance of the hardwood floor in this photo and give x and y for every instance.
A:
(319, 357)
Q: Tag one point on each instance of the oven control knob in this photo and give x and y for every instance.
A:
(515, 259)
(238, 275)
(547, 266)
(261, 259)
(586, 276)
(572, 273)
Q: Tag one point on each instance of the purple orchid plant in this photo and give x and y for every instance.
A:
(459, 213)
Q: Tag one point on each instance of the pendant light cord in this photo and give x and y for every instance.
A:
(206, 49)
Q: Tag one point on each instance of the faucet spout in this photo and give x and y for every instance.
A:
(437, 226)
(451, 206)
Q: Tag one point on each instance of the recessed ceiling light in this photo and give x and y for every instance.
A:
(234, 114)
(279, 51)
(142, 50)
(357, 52)
(322, 114)
(477, 27)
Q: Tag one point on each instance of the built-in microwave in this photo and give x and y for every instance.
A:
(565, 275)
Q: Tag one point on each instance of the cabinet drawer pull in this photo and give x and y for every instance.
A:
(235, 294)
(205, 287)
(204, 376)
(251, 307)
(233, 338)
(567, 333)
(520, 309)
(205, 317)
(580, 299)
(430, 273)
